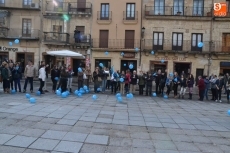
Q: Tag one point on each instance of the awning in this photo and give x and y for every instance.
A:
(66, 53)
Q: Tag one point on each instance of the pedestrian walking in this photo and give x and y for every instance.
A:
(96, 76)
(228, 89)
(6, 74)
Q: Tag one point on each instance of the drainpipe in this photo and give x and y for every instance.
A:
(141, 47)
(40, 32)
(210, 39)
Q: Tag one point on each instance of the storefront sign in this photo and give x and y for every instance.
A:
(171, 58)
(129, 55)
(224, 64)
(220, 9)
(3, 48)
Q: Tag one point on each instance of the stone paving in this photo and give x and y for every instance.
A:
(141, 125)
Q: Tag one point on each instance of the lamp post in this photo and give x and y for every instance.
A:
(141, 43)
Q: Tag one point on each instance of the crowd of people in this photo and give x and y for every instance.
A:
(116, 81)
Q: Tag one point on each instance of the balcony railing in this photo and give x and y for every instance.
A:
(116, 43)
(58, 7)
(130, 15)
(19, 33)
(80, 40)
(21, 4)
(4, 18)
(56, 37)
(185, 45)
(80, 8)
(104, 15)
(178, 11)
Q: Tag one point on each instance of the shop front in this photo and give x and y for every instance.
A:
(3, 56)
(128, 59)
(224, 67)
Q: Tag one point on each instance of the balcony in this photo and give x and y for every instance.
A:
(130, 17)
(116, 43)
(56, 38)
(172, 12)
(104, 17)
(82, 41)
(80, 9)
(21, 5)
(26, 34)
(56, 9)
(4, 18)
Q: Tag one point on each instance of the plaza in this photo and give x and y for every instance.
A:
(140, 125)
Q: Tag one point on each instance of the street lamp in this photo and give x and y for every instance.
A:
(142, 31)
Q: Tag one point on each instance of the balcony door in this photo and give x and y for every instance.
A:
(226, 42)
(60, 6)
(81, 5)
(177, 41)
(158, 38)
(27, 3)
(57, 29)
(2, 2)
(130, 11)
(198, 7)
(26, 27)
(178, 7)
(159, 7)
(104, 14)
(129, 39)
(196, 38)
(104, 39)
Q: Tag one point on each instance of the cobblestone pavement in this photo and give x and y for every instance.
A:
(141, 125)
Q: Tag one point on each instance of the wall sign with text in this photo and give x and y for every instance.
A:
(220, 9)
(3, 48)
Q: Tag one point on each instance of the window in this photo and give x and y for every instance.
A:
(27, 2)
(130, 11)
(196, 38)
(26, 27)
(2, 2)
(198, 7)
(159, 7)
(158, 38)
(177, 41)
(59, 7)
(104, 39)
(226, 42)
(57, 29)
(129, 39)
(104, 15)
(228, 7)
(178, 7)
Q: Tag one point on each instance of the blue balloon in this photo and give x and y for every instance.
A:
(171, 74)
(131, 95)
(79, 69)
(154, 94)
(229, 112)
(175, 80)
(59, 89)
(131, 66)
(68, 93)
(121, 79)
(200, 44)
(85, 87)
(16, 41)
(119, 99)
(38, 93)
(162, 61)
(118, 95)
(87, 91)
(56, 78)
(101, 65)
(79, 94)
(10, 44)
(106, 53)
(58, 92)
(152, 52)
(154, 74)
(122, 54)
(136, 49)
(94, 97)
(64, 95)
(124, 64)
(165, 97)
(27, 95)
(13, 91)
(76, 92)
(98, 89)
(32, 100)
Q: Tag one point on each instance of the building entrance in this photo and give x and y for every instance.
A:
(180, 67)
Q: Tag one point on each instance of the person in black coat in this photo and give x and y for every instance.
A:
(157, 81)
(55, 73)
(219, 87)
(162, 83)
(149, 81)
(16, 75)
(183, 86)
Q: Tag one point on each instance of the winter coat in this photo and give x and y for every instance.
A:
(95, 76)
(42, 74)
(207, 83)
(220, 83)
(149, 80)
(213, 83)
(183, 82)
(17, 73)
(190, 82)
(158, 78)
(201, 84)
(142, 79)
(127, 78)
(5, 74)
(55, 73)
(134, 79)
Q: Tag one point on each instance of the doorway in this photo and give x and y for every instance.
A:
(23, 58)
(4, 56)
(76, 64)
(51, 61)
(199, 72)
(125, 65)
(156, 65)
(180, 67)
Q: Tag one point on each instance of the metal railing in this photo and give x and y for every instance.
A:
(80, 39)
(19, 33)
(104, 15)
(177, 11)
(80, 8)
(116, 43)
(185, 45)
(58, 7)
(21, 4)
(56, 37)
(130, 15)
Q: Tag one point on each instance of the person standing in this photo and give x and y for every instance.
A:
(141, 83)
(70, 78)
(201, 87)
(6, 77)
(149, 82)
(183, 85)
(88, 75)
(122, 87)
(118, 81)
(64, 78)
(213, 87)
(16, 75)
(108, 84)
(133, 82)
(207, 86)
(219, 88)
(80, 80)
(114, 77)
(176, 82)
(157, 81)
(11, 68)
(29, 74)
(190, 83)
(42, 78)
(169, 84)
(225, 82)
(55, 73)
(104, 75)
(162, 83)
(228, 88)
(127, 81)
(96, 75)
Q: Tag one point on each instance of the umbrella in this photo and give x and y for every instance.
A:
(66, 53)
